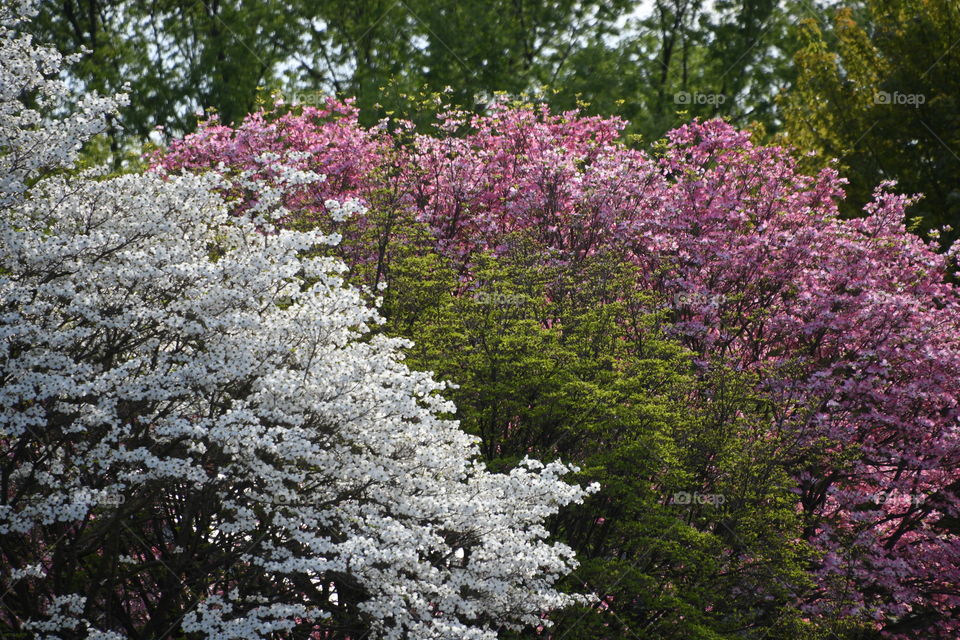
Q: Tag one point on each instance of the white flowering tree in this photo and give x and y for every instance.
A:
(199, 438)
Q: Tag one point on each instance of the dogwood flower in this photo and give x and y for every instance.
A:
(272, 468)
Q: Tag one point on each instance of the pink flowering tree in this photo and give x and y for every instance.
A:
(851, 323)
(848, 325)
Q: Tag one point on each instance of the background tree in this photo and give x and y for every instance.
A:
(879, 89)
(224, 54)
(645, 63)
(472, 48)
(177, 57)
(684, 58)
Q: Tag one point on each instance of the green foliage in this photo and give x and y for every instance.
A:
(574, 362)
(172, 58)
(232, 56)
(687, 59)
(879, 90)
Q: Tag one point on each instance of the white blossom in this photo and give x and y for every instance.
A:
(341, 211)
(162, 357)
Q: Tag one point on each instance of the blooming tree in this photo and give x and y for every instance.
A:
(199, 435)
(849, 325)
